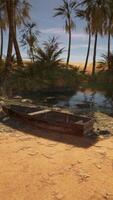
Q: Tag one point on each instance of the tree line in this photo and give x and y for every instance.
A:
(15, 14)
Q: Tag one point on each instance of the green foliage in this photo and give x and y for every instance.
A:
(50, 55)
(102, 80)
(66, 10)
(103, 64)
(29, 39)
(36, 77)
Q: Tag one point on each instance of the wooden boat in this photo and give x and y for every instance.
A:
(51, 119)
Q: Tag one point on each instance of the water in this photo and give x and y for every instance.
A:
(84, 101)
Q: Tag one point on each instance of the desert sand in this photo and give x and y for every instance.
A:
(80, 65)
(37, 165)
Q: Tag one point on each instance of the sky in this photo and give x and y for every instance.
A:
(42, 12)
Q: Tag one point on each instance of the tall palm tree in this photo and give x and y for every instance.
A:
(85, 15)
(13, 10)
(97, 19)
(10, 16)
(17, 11)
(2, 27)
(21, 13)
(66, 10)
(98, 23)
(109, 26)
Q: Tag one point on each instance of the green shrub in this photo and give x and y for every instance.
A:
(36, 77)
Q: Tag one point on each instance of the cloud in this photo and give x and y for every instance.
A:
(102, 48)
(53, 30)
(61, 31)
(79, 35)
(79, 46)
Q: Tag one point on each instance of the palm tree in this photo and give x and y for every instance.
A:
(2, 27)
(21, 13)
(103, 63)
(29, 39)
(97, 10)
(66, 10)
(85, 14)
(10, 16)
(98, 24)
(17, 12)
(49, 56)
(109, 26)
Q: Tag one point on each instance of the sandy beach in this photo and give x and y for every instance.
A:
(37, 165)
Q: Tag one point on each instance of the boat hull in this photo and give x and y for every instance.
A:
(52, 120)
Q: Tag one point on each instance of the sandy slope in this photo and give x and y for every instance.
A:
(80, 65)
(46, 166)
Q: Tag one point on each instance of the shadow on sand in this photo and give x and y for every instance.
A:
(81, 142)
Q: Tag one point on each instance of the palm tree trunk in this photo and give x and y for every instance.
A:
(94, 54)
(88, 50)
(10, 37)
(1, 47)
(17, 50)
(109, 44)
(1, 34)
(9, 49)
(69, 45)
(8, 65)
(32, 55)
(16, 46)
(31, 47)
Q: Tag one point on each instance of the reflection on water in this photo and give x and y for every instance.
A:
(83, 101)
(88, 101)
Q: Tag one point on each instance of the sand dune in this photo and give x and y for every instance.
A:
(81, 66)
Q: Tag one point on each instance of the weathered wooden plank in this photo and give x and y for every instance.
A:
(39, 112)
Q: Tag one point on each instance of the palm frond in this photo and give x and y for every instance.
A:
(103, 63)
(66, 10)
(49, 55)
